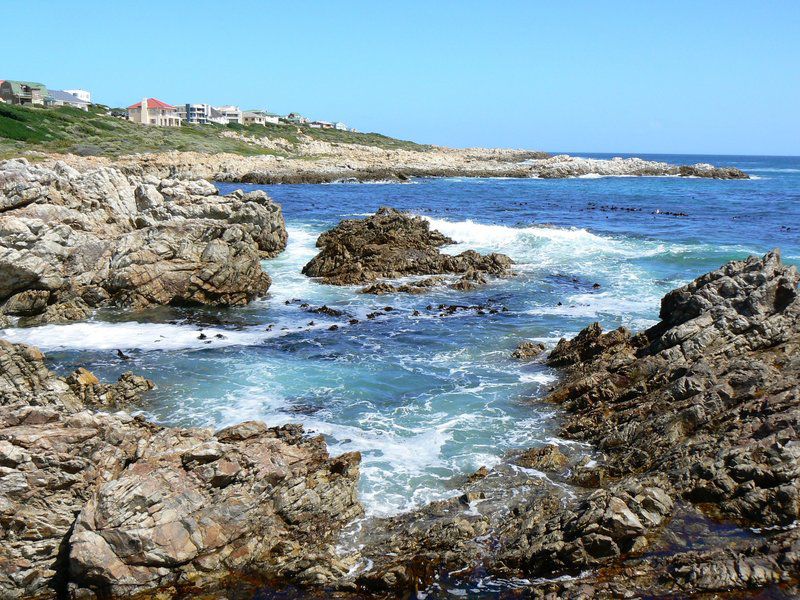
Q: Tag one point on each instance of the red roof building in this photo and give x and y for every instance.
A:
(151, 111)
(152, 103)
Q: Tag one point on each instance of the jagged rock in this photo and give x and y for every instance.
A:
(600, 527)
(392, 244)
(92, 392)
(25, 378)
(417, 287)
(708, 396)
(157, 508)
(546, 458)
(71, 241)
(703, 408)
(527, 350)
(27, 303)
(587, 344)
(66, 311)
(196, 508)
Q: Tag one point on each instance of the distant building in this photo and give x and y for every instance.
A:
(232, 114)
(62, 98)
(81, 95)
(253, 117)
(340, 126)
(151, 111)
(196, 114)
(259, 117)
(321, 124)
(23, 93)
(295, 119)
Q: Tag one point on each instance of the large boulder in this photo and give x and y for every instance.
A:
(392, 244)
(71, 241)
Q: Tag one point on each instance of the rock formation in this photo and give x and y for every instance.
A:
(392, 244)
(72, 241)
(688, 482)
(316, 161)
(108, 505)
(528, 350)
(563, 165)
(696, 418)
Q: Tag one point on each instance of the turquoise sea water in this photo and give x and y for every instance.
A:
(427, 398)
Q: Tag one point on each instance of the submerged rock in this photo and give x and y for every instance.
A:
(528, 350)
(72, 241)
(392, 244)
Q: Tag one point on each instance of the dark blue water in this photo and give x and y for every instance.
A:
(427, 397)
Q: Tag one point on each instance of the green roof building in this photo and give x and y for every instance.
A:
(23, 92)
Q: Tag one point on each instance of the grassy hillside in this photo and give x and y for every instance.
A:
(66, 129)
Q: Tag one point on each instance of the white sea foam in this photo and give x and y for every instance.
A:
(540, 378)
(129, 335)
(133, 335)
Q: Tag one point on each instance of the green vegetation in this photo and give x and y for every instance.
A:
(67, 129)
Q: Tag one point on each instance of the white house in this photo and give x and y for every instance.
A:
(231, 114)
(321, 124)
(151, 111)
(340, 126)
(63, 98)
(81, 95)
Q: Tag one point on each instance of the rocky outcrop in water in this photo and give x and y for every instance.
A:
(72, 241)
(104, 505)
(392, 244)
(563, 165)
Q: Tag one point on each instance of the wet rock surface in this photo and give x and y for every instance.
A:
(71, 241)
(528, 350)
(698, 414)
(393, 244)
(94, 504)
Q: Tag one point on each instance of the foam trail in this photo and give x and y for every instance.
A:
(129, 336)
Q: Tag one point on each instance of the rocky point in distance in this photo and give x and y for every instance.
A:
(316, 161)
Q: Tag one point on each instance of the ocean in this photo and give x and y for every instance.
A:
(430, 396)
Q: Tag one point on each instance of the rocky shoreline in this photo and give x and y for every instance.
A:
(684, 479)
(692, 421)
(72, 241)
(314, 161)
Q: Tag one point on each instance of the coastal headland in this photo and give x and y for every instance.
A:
(288, 154)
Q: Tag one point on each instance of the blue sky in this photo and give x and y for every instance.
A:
(680, 77)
